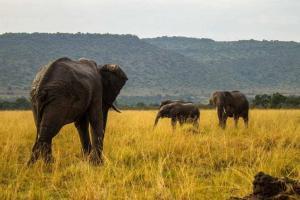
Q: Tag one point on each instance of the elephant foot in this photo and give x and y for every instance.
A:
(222, 126)
(31, 161)
(86, 153)
(46, 153)
(85, 156)
(95, 158)
(195, 131)
(41, 149)
(49, 159)
(36, 152)
(34, 155)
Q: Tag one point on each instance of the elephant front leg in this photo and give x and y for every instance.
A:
(96, 122)
(224, 120)
(236, 119)
(222, 117)
(181, 121)
(246, 120)
(82, 126)
(105, 115)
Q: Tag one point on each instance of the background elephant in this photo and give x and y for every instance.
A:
(230, 104)
(165, 102)
(181, 112)
(67, 91)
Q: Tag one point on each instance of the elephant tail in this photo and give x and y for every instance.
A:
(39, 107)
(198, 114)
(40, 102)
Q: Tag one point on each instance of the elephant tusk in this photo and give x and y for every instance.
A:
(115, 108)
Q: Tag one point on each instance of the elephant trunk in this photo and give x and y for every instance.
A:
(156, 120)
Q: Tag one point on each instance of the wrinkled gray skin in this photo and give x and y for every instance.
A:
(172, 101)
(67, 91)
(181, 112)
(230, 104)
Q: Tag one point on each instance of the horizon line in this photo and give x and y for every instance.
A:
(141, 37)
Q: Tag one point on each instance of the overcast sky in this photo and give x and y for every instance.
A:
(216, 19)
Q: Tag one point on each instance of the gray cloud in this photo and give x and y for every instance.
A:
(216, 19)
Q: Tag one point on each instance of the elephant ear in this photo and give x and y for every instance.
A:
(114, 69)
(165, 110)
(214, 98)
(113, 79)
(228, 99)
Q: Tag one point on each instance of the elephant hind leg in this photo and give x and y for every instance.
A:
(35, 154)
(42, 146)
(47, 129)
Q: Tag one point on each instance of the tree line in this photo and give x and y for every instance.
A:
(275, 100)
(21, 103)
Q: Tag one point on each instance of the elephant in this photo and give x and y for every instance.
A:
(67, 91)
(181, 112)
(230, 104)
(165, 102)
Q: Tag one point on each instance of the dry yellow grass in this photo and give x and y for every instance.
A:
(144, 164)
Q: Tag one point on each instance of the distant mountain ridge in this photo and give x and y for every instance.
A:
(175, 66)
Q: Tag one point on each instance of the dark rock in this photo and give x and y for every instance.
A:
(266, 187)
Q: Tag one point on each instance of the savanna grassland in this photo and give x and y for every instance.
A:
(142, 163)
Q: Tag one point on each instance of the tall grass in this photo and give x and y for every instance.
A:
(142, 163)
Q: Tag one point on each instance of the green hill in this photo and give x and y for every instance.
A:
(254, 66)
(157, 67)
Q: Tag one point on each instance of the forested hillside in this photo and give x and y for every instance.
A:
(151, 70)
(158, 67)
(260, 66)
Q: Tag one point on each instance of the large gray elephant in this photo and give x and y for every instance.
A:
(67, 91)
(230, 104)
(181, 112)
(165, 102)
